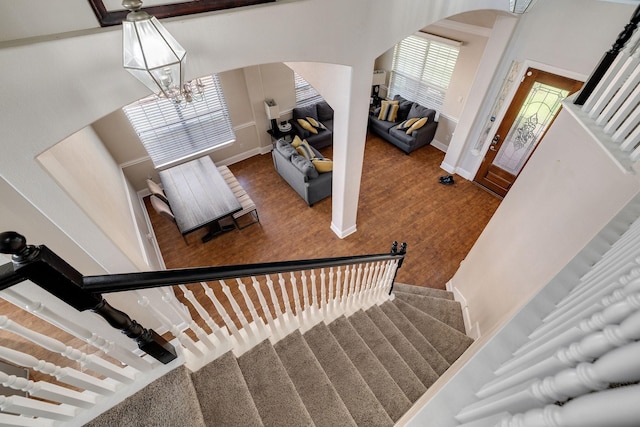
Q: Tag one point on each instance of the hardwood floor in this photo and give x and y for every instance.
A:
(401, 199)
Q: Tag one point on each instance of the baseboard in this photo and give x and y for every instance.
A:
(472, 330)
(244, 156)
(465, 174)
(447, 167)
(440, 146)
(342, 234)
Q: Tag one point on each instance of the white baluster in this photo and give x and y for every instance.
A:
(338, 290)
(323, 293)
(234, 305)
(351, 289)
(373, 287)
(613, 314)
(331, 300)
(35, 408)
(614, 106)
(88, 361)
(314, 292)
(621, 365)
(235, 333)
(263, 301)
(628, 104)
(274, 297)
(305, 290)
(615, 76)
(260, 329)
(588, 348)
(614, 407)
(296, 295)
(66, 375)
(48, 391)
(285, 295)
(10, 420)
(358, 289)
(183, 312)
(184, 339)
(220, 336)
(112, 349)
(626, 127)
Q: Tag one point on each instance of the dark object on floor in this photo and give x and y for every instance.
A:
(446, 180)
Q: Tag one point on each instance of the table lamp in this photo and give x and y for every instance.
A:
(273, 113)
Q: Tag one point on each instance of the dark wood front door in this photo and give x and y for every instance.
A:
(531, 112)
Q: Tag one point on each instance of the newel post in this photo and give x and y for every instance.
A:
(395, 251)
(43, 267)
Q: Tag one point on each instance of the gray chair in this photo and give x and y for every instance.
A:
(156, 190)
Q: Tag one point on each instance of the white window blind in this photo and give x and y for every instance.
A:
(305, 93)
(422, 70)
(171, 133)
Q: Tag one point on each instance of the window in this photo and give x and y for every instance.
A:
(422, 68)
(171, 133)
(305, 93)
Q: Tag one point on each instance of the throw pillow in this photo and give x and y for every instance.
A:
(388, 111)
(307, 126)
(417, 125)
(316, 124)
(305, 166)
(296, 141)
(323, 165)
(285, 148)
(406, 124)
(305, 149)
(325, 112)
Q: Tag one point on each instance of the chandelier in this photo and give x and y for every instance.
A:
(155, 58)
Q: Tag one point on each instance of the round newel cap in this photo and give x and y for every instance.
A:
(12, 243)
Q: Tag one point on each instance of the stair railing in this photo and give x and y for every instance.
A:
(608, 103)
(220, 309)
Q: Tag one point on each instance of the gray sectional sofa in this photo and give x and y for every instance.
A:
(406, 110)
(311, 185)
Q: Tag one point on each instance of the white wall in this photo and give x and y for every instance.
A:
(567, 192)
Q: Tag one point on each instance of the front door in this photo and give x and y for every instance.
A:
(531, 112)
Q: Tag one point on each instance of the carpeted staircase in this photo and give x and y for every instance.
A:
(366, 370)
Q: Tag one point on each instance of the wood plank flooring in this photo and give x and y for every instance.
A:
(401, 199)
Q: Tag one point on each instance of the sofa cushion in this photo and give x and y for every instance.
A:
(307, 126)
(325, 112)
(307, 111)
(417, 125)
(285, 148)
(404, 106)
(323, 165)
(388, 111)
(401, 135)
(305, 150)
(305, 166)
(418, 110)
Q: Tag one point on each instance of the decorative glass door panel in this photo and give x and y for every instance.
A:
(532, 110)
(539, 109)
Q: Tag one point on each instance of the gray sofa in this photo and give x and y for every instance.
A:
(389, 130)
(294, 168)
(323, 113)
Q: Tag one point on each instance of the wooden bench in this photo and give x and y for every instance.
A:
(247, 204)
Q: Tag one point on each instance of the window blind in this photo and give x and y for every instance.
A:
(421, 70)
(305, 93)
(171, 133)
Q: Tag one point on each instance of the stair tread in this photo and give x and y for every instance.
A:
(353, 390)
(273, 392)
(381, 383)
(401, 373)
(403, 346)
(312, 384)
(426, 349)
(449, 342)
(446, 311)
(224, 397)
(422, 290)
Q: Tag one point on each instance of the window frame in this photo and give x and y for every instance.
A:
(422, 68)
(172, 134)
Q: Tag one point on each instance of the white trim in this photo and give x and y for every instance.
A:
(342, 234)
(152, 234)
(471, 330)
(439, 39)
(439, 145)
(462, 27)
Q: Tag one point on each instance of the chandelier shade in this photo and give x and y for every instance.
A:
(151, 54)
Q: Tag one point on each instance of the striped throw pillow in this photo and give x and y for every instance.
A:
(407, 124)
(388, 111)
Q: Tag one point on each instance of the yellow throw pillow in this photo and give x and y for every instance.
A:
(316, 124)
(388, 111)
(417, 125)
(323, 165)
(296, 141)
(307, 126)
(407, 123)
(305, 150)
